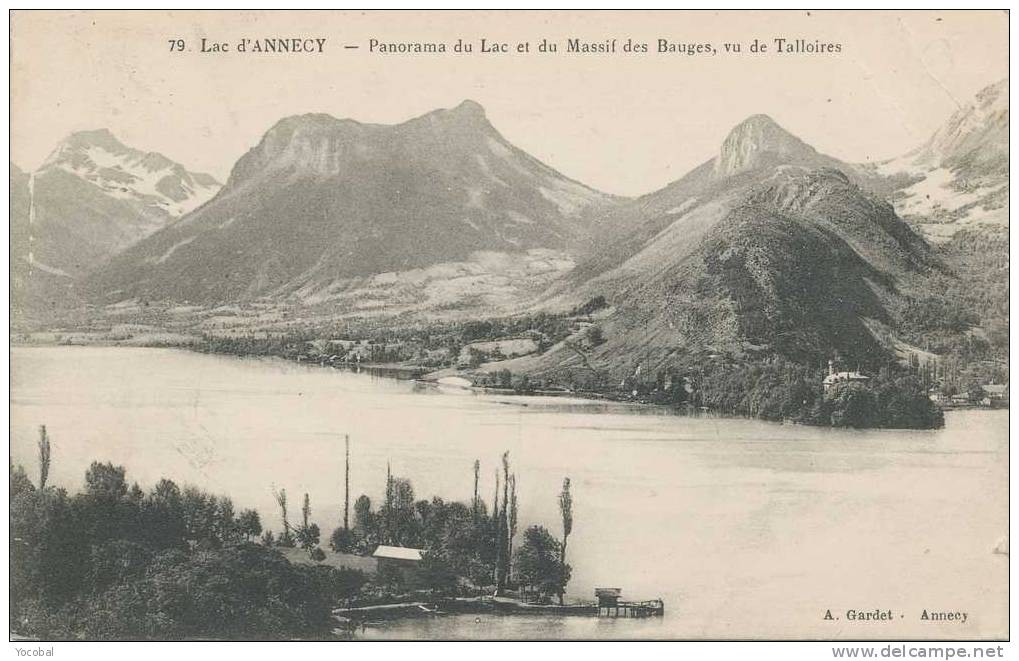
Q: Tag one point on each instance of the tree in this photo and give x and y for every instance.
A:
(116, 563)
(346, 485)
(286, 538)
(539, 563)
(495, 500)
(225, 528)
(44, 457)
(201, 519)
(249, 524)
(436, 574)
(20, 482)
(398, 514)
(566, 509)
(512, 519)
(853, 405)
(495, 531)
(308, 533)
(502, 561)
(105, 481)
(363, 520)
(387, 508)
(477, 475)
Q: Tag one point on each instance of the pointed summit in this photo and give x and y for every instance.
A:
(148, 179)
(79, 142)
(993, 97)
(466, 118)
(469, 107)
(95, 137)
(975, 138)
(756, 141)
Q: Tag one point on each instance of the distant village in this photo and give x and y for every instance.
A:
(410, 354)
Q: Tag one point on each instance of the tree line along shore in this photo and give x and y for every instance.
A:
(766, 387)
(114, 561)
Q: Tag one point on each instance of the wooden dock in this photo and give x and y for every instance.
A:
(650, 608)
(611, 604)
(497, 606)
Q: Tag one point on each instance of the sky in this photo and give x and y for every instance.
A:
(623, 123)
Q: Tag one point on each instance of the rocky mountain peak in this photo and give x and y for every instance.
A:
(993, 97)
(754, 141)
(322, 145)
(976, 135)
(122, 172)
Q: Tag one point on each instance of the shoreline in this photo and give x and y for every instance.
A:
(430, 376)
(482, 605)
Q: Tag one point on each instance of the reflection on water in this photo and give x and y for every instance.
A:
(745, 529)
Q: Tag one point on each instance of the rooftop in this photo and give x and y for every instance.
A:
(397, 553)
(607, 592)
(845, 376)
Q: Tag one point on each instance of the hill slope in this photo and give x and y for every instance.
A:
(321, 202)
(959, 177)
(769, 248)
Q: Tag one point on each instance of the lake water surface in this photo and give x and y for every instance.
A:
(746, 529)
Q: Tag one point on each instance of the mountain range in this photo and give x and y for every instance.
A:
(767, 247)
(91, 198)
(321, 201)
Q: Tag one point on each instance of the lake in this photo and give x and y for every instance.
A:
(746, 529)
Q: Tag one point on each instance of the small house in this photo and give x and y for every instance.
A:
(995, 395)
(835, 378)
(607, 597)
(398, 560)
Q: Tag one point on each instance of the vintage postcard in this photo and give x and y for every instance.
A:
(509, 325)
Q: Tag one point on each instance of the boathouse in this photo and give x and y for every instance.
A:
(611, 605)
(607, 597)
(400, 560)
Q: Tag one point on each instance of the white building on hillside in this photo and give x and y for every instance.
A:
(834, 378)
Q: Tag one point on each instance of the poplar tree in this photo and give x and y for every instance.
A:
(286, 538)
(512, 521)
(44, 457)
(566, 509)
(477, 475)
(346, 485)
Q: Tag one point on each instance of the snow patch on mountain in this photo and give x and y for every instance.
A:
(960, 176)
(121, 172)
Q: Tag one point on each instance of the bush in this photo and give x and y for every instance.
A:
(343, 540)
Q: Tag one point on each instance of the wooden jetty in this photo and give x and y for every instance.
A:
(610, 604)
